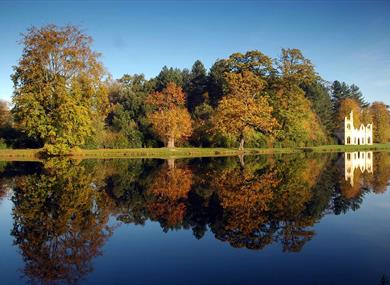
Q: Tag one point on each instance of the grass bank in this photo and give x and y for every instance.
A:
(33, 154)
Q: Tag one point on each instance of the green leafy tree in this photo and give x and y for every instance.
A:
(58, 87)
(128, 115)
(299, 125)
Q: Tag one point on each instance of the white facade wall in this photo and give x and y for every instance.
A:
(359, 136)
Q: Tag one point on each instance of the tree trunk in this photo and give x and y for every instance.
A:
(242, 162)
(171, 163)
(242, 141)
(171, 142)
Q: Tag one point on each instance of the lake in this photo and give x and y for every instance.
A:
(275, 219)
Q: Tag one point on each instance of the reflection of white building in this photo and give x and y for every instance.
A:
(352, 136)
(357, 160)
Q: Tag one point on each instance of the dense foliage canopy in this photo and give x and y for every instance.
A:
(63, 100)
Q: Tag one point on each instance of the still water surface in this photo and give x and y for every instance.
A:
(287, 219)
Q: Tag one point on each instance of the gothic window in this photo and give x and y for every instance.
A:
(348, 156)
(368, 140)
(348, 126)
(348, 140)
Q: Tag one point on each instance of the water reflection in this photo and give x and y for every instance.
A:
(362, 161)
(61, 209)
(60, 221)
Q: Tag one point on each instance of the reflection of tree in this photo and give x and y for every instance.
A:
(244, 195)
(381, 176)
(270, 199)
(267, 201)
(61, 211)
(168, 191)
(60, 222)
(3, 188)
(4, 182)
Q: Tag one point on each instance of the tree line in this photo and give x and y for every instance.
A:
(65, 98)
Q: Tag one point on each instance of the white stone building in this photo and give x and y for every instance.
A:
(359, 136)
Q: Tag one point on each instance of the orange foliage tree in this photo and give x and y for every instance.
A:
(169, 118)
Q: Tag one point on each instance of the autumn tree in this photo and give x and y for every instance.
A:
(58, 89)
(346, 107)
(245, 108)
(381, 121)
(342, 91)
(170, 119)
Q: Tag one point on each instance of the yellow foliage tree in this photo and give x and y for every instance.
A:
(346, 106)
(245, 108)
(381, 121)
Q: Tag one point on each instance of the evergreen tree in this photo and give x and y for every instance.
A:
(197, 86)
(356, 94)
(341, 91)
(169, 75)
(217, 85)
(321, 102)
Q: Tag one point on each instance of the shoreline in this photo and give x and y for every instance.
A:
(184, 152)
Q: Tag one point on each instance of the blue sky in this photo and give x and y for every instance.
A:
(346, 40)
